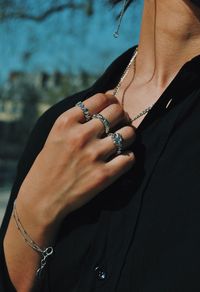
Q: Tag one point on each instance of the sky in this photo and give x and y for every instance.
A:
(67, 42)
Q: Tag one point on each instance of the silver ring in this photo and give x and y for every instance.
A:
(118, 141)
(104, 121)
(85, 111)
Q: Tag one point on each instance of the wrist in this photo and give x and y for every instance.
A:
(36, 219)
(45, 252)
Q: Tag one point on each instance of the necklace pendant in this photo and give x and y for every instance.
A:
(116, 34)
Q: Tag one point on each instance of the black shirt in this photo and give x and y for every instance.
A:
(142, 234)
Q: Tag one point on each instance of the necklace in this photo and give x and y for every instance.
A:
(116, 90)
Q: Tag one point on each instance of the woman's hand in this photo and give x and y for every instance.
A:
(76, 162)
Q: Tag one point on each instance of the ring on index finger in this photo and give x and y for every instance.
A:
(104, 121)
(117, 141)
(85, 111)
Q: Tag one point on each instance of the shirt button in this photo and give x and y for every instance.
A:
(100, 273)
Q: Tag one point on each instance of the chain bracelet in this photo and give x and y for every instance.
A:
(45, 252)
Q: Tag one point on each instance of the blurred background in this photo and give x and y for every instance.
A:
(49, 50)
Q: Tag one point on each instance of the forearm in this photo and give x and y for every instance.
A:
(23, 261)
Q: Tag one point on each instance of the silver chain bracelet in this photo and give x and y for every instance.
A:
(45, 252)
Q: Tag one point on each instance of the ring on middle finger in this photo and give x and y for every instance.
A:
(104, 121)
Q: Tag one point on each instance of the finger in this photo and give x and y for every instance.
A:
(114, 114)
(120, 164)
(94, 104)
(107, 148)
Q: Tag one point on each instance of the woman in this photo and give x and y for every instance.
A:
(125, 221)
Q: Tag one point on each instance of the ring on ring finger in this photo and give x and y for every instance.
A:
(85, 111)
(118, 141)
(104, 121)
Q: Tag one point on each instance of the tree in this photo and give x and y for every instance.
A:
(21, 9)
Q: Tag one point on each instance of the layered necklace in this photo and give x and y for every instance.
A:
(116, 90)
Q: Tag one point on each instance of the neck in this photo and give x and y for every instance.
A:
(170, 36)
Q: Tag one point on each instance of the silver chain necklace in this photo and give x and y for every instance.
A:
(116, 90)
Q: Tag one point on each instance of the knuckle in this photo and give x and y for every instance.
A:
(80, 136)
(78, 141)
(89, 155)
(131, 157)
(106, 99)
(103, 98)
(117, 109)
(131, 131)
(64, 120)
(88, 131)
(102, 175)
(120, 110)
(85, 133)
(92, 154)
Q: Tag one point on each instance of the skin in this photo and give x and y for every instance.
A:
(63, 178)
(171, 40)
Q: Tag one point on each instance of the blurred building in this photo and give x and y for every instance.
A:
(24, 97)
(44, 88)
